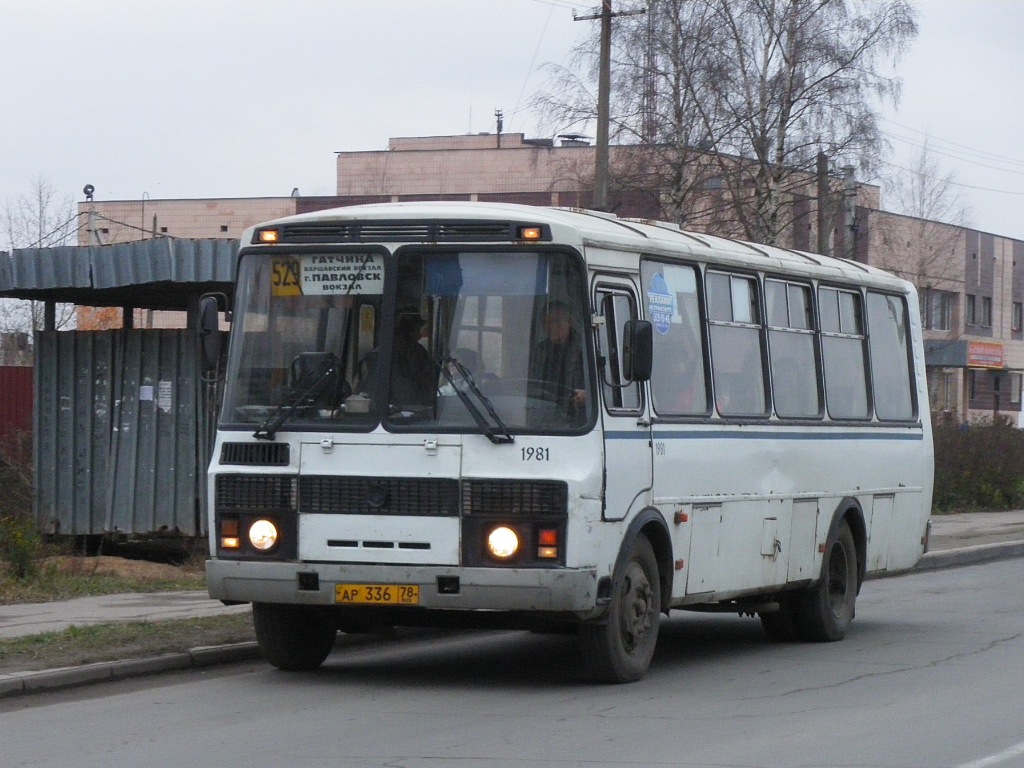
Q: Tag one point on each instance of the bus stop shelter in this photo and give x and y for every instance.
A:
(123, 417)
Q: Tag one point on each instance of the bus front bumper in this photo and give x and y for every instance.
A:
(571, 590)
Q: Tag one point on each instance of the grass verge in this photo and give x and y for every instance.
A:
(114, 642)
(63, 578)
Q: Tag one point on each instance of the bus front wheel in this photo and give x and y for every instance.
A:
(292, 637)
(827, 609)
(620, 649)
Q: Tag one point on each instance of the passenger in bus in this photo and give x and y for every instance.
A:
(679, 386)
(413, 382)
(556, 362)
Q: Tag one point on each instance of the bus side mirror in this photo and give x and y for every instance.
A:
(209, 332)
(637, 350)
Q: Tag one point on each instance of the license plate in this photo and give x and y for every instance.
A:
(377, 594)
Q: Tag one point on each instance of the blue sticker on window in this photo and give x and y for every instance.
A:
(660, 304)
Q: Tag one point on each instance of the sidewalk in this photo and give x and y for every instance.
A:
(956, 540)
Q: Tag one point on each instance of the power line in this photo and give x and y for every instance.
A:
(971, 150)
(958, 157)
(558, 4)
(529, 69)
(954, 183)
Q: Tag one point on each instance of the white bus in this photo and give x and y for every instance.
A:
(469, 414)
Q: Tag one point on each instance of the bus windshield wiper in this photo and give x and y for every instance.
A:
(496, 436)
(319, 379)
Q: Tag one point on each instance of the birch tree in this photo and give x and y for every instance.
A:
(734, 99)
(40, 218)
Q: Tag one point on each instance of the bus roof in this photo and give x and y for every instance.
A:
(596, 229)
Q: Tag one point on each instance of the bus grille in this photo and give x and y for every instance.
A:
(429, 497)
(256, 492)
(255, 454)
(500, 498)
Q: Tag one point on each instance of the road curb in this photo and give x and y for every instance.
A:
(108, 671)
(982, 553)
(71, 677)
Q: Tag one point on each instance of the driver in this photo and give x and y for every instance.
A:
(556, 363)
(412, 378)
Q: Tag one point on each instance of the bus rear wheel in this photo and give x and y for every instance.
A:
(620, 649)
(292, 637)
(826, 610)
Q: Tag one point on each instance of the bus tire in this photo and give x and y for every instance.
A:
(826, 610)
(620, 649)
(292, 637)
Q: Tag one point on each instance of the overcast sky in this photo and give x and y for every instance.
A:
(243, 98)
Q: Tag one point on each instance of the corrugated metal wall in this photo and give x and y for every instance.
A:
(118, 429)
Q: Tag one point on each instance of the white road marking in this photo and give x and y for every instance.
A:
(1015, 751)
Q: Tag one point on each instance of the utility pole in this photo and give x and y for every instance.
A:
(849, 213)
(824, 205)
(603, 96)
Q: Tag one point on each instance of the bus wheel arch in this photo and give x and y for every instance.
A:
(850, 511)
(651, 524)
(824, 611)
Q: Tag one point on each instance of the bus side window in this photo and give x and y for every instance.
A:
(736, 356)
(678, 381)
(890, 357)
(794, 363)
(842, 352)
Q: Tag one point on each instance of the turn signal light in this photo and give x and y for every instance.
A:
(547, 539)
(229, 534)
(269, 235)
(530, 233)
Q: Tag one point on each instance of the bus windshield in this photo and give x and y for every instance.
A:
(491, 342)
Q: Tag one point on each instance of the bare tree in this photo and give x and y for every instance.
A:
(798, 77)
(655, 60)
(41, 218)
(734, 99)
(926, 244)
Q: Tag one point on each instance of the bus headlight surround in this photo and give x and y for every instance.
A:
(502, 542)
(263, 535)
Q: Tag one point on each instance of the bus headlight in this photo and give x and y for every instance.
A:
(502, 542)
(263, 535)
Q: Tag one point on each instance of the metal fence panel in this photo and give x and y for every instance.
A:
(154, 439)
(73, 412)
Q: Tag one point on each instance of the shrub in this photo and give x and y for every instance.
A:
(978, 466)
(20, 545)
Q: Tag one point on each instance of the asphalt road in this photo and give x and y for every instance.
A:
(930, 676)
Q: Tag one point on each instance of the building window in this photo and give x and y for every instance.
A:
(940, 389)
(1015, 387)
(937, 309)
(1018, 316)
(969, 310)
(986, 311)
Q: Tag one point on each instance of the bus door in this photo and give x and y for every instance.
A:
(627, 431)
